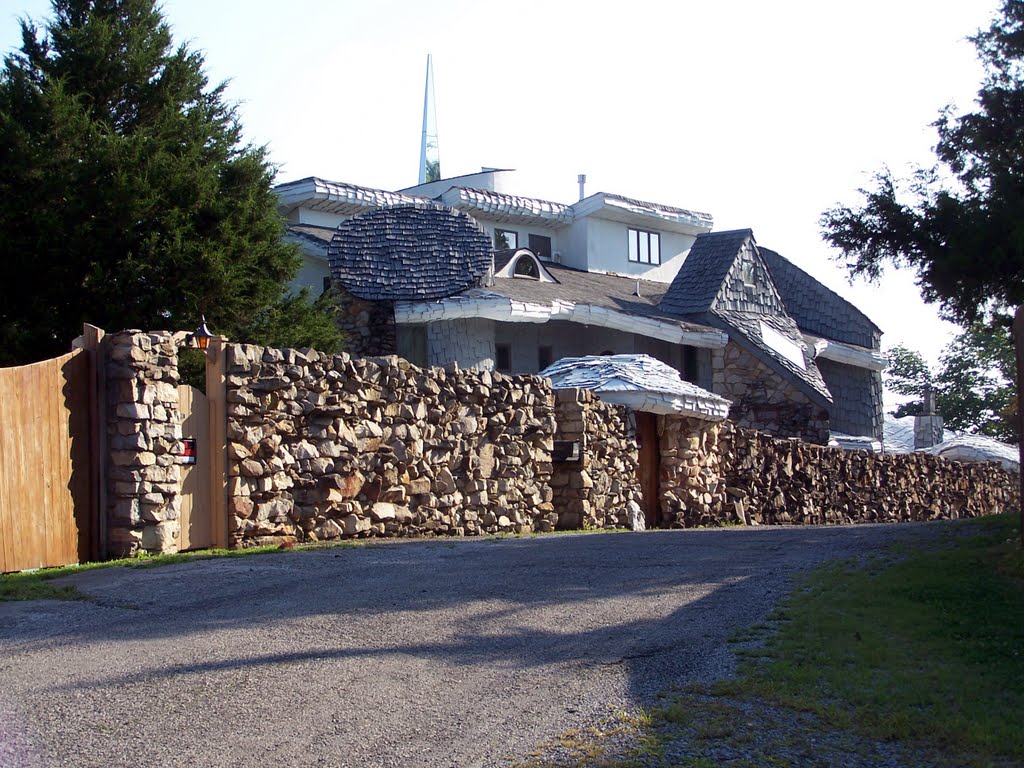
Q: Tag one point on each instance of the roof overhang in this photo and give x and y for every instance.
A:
(508, 209)
(847, 354)
(603, 205)
(503, 309)
(337, 198)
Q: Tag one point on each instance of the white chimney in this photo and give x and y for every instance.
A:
(582, 179)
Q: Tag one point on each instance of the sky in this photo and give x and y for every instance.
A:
(763, 114)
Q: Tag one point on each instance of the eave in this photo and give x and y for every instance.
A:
(604, 205)
(502, 309)
(847, 354)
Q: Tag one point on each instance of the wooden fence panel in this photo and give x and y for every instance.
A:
(46, 463)
(196, 522)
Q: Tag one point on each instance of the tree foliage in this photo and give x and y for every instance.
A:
(973, 385)
(129, 198)
(960, 224)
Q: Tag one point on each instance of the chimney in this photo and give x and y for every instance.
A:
(582, 180)
(928, 427)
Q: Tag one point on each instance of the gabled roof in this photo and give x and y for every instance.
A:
(817, 309)
(408, 252)
(750, 334)
(703, 290)
(695, 286)
(639, 381)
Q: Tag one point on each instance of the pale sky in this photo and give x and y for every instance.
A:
(763, 114)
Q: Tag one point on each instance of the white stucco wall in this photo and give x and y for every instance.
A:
(312, 273)
(608, 250)
(524, 233)
(316, 218)
(574, 340)
(494, 181)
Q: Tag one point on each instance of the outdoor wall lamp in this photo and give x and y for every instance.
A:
(201, 335)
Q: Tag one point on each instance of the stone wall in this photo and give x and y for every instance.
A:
(763, 399)
(721, 473)
(326, 446)
(143, 442)
(601, 489)
(369, 326)
(321, 447)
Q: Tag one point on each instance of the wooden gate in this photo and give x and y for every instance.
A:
(47, 475)
(196, 513)
(648, 468)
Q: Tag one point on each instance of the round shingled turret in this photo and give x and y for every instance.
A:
(409, 253)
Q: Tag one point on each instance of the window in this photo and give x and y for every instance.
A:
(505, 238)
(503, 357)
(526, 267)
(541, 245)
(644, 247)
(747, 271)
(544, 357)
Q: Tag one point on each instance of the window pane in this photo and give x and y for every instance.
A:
(645, 249)
(505, 238)
(541, 245)
(634, 251)
(655, 248)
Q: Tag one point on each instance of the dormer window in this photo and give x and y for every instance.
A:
(644, 247)
(526, 266)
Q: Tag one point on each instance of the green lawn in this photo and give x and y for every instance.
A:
(929, 648)
(915, 658)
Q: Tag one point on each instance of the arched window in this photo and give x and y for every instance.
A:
(526, 267)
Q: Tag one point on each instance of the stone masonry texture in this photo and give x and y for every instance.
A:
(143, 441)
(323, 447)
(720, 474)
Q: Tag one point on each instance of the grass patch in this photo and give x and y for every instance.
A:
(915, 657)
(928, 649)
(34, 585)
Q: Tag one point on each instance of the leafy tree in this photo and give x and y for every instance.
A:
(960, 224)
(128, 198)
(973, 385)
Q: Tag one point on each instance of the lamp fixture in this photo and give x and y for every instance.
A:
(201, 335)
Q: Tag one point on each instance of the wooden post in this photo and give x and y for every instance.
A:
(216, 365)
(1018, 340)
(92, 340)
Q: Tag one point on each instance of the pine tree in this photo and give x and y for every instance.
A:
(959, 225)
(128, 198)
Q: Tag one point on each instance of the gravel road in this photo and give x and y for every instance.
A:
(416, 653)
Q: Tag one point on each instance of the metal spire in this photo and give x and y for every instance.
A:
(430, 156)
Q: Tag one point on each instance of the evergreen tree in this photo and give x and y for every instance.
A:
(959, 225)
(128, 198)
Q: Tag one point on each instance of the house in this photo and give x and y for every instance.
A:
(463, 270)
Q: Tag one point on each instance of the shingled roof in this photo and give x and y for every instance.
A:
(409, 252)
(699, 280)
(817, 309)
(639, 381)
(595, 289)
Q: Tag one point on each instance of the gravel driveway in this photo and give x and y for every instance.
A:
(416, 653)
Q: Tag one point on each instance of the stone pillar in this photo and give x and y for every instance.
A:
(143, 441)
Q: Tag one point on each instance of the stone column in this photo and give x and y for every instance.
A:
(143, 441)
